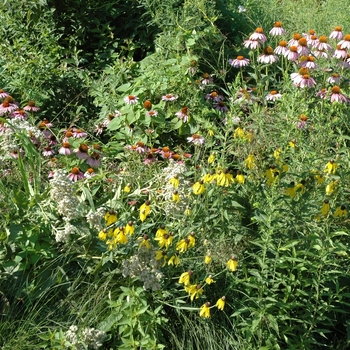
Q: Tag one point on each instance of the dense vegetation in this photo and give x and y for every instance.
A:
(174, 174)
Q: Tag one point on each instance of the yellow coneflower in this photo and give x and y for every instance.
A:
(249, 162)
(211, 158)
(207, 259)
(110, 217)
(161, 231)
(340, 212)
(192, 240)
(220, 304)
(161, 254)
(325, 207)
(129, 228)
(232, 263)
(291, 191)
(185, 277)
(198, 187)
(102, 235)
(176, 197)
(174, 181)
(240, 178)
(165, 241)
(330, 188)
(331, 167)
(187, 211)
(174, 260)
(145, 242)
(224, 178)
(209, 178)
(144, 210)
(194, 290)
(209, 280)
(205, 310)
(182, 245)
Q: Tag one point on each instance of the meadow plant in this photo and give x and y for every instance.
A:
(226, 206)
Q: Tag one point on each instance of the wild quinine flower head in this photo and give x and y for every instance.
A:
(62, 193)
(144, 266)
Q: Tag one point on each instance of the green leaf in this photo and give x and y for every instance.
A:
(273, 323)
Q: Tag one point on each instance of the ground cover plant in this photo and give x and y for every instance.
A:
(187, 191)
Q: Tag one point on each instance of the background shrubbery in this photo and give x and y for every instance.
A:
(61, 287)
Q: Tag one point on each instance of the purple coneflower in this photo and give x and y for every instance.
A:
(322, 93)
(336, 96)
(277, 29)
(31, 107)
(82, 151)
(295, 40)
(7, 106)
(20, 114)
(337, 33)
(152, 113)
(169, 97)
(302, 47)
(334, 78)
(149, 159)
(79, 133)
(312, 41)
(75, 174)
(296, 77)
(48, 152)
(345, 43)
(321, 53)
(268, 56)
(206, 79)
(281, 49)
(131, 99)
(183, 114)
(322, 44)
(221, 107)
(251, 44)
(110, 117)
(196, 139)
(273, 96)
(239, 62)
(3, 94)
(258, 35)
(292, 53)
(65, 150)
(307, 62)
(340, 53)
(214, 96)
(89, 173)
(94, 160)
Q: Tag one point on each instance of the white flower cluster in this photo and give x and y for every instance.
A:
(19, 124)
(89, 337)
(144, 266)
(63, 194)
(94, 218)
(62, 235)
(8, 142)
(184, 188)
